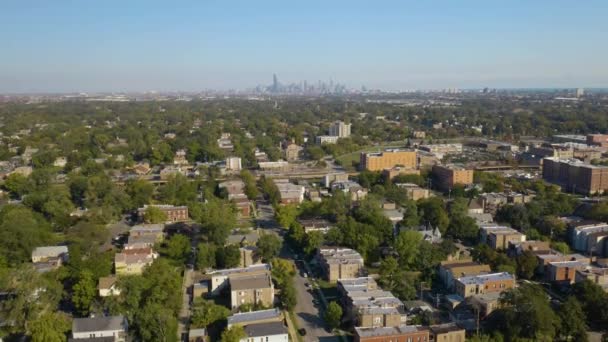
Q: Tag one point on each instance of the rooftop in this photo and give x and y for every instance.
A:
(388, 331)
(482, 278)
(254, 282)
(252, 268)
(110, 323)
(52, 251)
(244, 317)
(265, 329)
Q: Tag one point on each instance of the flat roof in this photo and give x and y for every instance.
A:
(244, 317)
(388, 331)
(253, 282)
(482, 278)
(265, 329)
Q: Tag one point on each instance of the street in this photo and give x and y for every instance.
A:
(308, 311)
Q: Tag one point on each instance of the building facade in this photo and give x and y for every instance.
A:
(388, 159)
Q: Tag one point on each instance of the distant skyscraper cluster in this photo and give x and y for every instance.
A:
(304, 88)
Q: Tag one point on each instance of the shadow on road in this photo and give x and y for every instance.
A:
(314, 320)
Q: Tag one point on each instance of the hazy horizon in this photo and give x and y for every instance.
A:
(111, 46)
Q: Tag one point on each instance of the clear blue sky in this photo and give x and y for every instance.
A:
(106, 45)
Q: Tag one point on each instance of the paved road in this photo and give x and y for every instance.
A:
(184, 314)
(309, 315)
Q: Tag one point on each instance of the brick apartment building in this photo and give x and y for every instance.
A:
(447, 176)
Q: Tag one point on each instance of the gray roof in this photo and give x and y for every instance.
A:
(50, 251)
(254, 282)
(254, 316)
(265, 329)
(110, 323)
(197, 333)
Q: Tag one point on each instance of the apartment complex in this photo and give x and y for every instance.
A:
(447, 176)
(254, 289)
(290, 193)
(340, 263)
(589, 237)
(576, 176)
(218, 280)
(500, 237)
(449, 271)
(484, 283)
(388, 159)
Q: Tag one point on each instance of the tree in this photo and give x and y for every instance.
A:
(406, 245)
(288, 297)
(233, 334)
(83, 292)
(433, 213)
(141, 192)
(314, 240)
(269, 246)
(594, 301)
(17, 184)
(21, 230)
(251, 189)
(156, 323)
(217, 219)
(50, 327)
(463, 227)
(333, 315)
(205, 313)
(228, 257)
(286, 214)
(526, 265)
(526, 314)
(206, 256)
(572, 318)
(561, 247)
(178, 247)
(154, 214)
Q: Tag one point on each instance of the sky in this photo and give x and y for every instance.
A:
(107, 45)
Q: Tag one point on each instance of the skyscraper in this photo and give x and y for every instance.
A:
(275, 83)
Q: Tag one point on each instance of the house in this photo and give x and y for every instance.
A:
(141, 241)
(174, 213)
(233, 164)
(155, 230)
(107, 287)
(402, 333)
(484, 283)
(414, 191)
(448, 332)
(253, 289)
(133, 261)
(475, 207)
(340, 263)
(111, 328)
(267, 332)
(249, 256)
(180, 158)
(254, 317)
(60, 162)
(49, 258)
(142, 169)
(49, 253)
(356, 191)
(315, 225)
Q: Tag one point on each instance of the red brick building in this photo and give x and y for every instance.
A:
(404, 333)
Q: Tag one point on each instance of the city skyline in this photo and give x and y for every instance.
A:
(392, 46)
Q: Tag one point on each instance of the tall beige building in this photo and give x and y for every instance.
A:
(388, 159)
(340, 129)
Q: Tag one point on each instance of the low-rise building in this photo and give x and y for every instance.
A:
(279, 165)
(197, 335)
(334, 177)
(340, 263)
(50, 253)
(290, 193)
(254, 289)
(233, 164)
(597, 275)
(564, 271)
(414, 191)
(326, 139)
(388, 159)
(485, 303)
(219, 279)
(111, 328)
(133, 261)
(267, 332)
(154, 230)
(483, 283)
(402, 333)
(174, 213)
(449, 271)
(499, 237)
(107, 287)
(447, 332)
(356, 191)
(399, 171)
(315, 225)
(254, 317)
